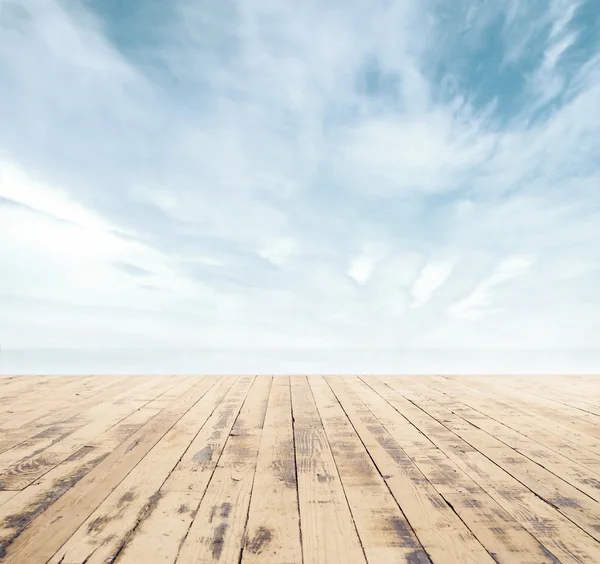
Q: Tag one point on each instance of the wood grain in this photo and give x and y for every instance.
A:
(299, 469)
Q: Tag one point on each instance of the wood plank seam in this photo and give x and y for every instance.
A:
(296, 468)
(457, 515)
(183, 541)
(380, 472)
(541, 498)
(338, 474)
(21, 552)
(146, 513)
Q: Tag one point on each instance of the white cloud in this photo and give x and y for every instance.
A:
(431, 277)
(360, 269)
(345, 175)
(474, 306)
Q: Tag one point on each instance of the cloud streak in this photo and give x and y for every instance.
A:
(410, 174)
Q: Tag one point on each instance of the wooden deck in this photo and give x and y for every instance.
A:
(299, 470)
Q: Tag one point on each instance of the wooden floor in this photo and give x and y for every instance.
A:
(290, 470)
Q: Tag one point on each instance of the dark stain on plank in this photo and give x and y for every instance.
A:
(324, 478)
(151, 505)
(591, 482)
(81, 453)
(126, 498)
(61, 485)
(19, 521)
(260, 540)
(418, 556)
(183, 508)
(108, 539)
(218, 540)
(49, 433)
(403, 532)
(437, 502)
(500, 532)
(204, 455)
(224, 510)
(285, 470)
(132, 445)
(551, 558)
(221, 423)
(472, 503)
(564, 502)
(97, 524)
(542, 525)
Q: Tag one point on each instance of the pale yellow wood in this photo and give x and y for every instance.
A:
(557, 491)
(58, 421)
(376, 513)
(101, 535)
(585, 478)
(48, 532)
(559, 535)
(576, 393)
(217, 532)
(34, 499)
(440, 531)
(196, 466)
(576, 419)
(47, 397)
(6, 495)
(506, 540)
(328, 532)
(273, 530)
(19, 468)
(27, 504)
(158, 538)
(518, 429)
(281, 470)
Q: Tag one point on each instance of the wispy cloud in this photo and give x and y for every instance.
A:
(341, 174)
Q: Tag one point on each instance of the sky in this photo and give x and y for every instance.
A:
(327, 176)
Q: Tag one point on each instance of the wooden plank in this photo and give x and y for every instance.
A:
(556, 533)
(376, 513)
(513, 424)
(506, 540)
(182, 506)
(394, 469)
(5, 496)
(50, 530)
(323, 505)
(22, 465)
(580, 394)
(440, 531)
(570, 501)
(59, 421)
(217, 532)
(197, 465)
(578, 420)
(30, 502)
(34, 499)
(153, 526)
(273, 531)
(45, 398)
(583, 478)
(103, 534)
(160, 534)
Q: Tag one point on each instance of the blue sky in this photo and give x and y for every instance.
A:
(268, 175)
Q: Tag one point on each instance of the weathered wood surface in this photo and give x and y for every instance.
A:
(286, 470)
